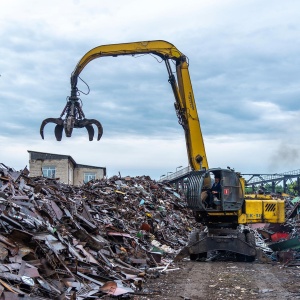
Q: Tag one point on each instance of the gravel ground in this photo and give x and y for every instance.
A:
(222, 280)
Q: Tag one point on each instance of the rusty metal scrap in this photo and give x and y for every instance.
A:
(102, 238)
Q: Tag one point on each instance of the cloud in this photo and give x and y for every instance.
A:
(243, 62)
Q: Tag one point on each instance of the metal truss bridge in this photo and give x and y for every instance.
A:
(266, 182)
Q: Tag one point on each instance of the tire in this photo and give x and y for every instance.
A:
(249, 258)
(202, 255)
(193, 257)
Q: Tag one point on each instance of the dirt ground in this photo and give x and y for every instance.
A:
(222, 280)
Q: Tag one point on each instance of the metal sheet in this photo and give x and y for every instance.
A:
(284, 245)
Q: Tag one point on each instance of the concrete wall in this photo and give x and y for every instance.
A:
(61, 168)
(79, 174)
(64, 170)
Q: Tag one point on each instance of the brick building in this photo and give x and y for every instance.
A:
(63, 167)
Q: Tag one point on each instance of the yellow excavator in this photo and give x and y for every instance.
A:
(229, 210)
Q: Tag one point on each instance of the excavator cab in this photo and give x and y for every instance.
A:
(199, 184)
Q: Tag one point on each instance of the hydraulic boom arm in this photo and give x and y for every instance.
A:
(185, 105)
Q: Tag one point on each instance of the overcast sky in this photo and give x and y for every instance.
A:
(244, 65)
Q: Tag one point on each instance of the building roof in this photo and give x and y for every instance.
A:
(87, 166)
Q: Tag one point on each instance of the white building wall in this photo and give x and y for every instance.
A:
(64, 170)
(61, 168)
(79, 174)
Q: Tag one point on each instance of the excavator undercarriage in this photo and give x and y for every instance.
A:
(242, 243)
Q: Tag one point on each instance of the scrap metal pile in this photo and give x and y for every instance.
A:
(103, 238)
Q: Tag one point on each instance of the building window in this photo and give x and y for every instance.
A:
(49, 171)
(89, 176)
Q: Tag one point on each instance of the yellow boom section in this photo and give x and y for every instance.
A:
(185, 104)
(160, 48)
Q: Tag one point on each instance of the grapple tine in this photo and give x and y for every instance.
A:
(57, 121)
(99, 126)
(58, 130)
(87, 123)
(42, 129)
(91, 131)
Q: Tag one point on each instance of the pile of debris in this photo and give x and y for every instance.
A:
(105, 237)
